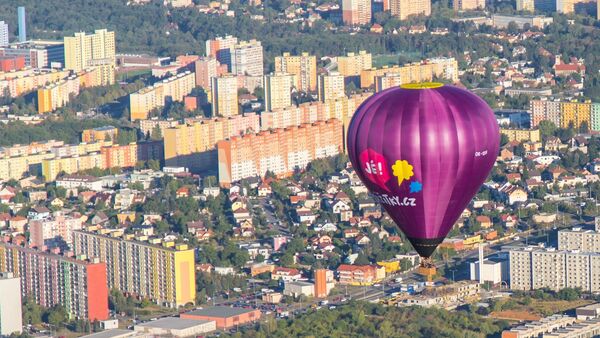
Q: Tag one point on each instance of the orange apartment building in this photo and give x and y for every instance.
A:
(280, 151)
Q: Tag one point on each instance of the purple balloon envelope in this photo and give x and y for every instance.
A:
(423, 151)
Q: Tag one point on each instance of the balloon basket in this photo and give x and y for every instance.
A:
(427, 269)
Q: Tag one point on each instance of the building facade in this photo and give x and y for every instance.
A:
(402, 9)
(221, 49)
(161, 271)
(175, 88)
(303, 66)
(356, 12)
(331, 87)
(535, 268)
(83, 51)
(280, 151)
(224, 92)
(247, 58)
(11, 320)
(426, 70)
(353, 63)
(278, 90)
(192, 145)
(49, 279)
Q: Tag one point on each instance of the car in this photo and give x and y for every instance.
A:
(331, 307)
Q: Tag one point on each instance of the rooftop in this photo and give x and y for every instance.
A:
(220, 311)
(174, 323)
(114, 333)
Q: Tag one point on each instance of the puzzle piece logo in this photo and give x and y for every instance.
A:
(402, 170)
(375, 168)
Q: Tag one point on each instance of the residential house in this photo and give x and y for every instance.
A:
(484, 221)
(351, 233)
(362, 240)
(372, 212)
(99, 218)
(182, 192)
(285, 274)
(7, 193)
(38, 212)
(508, 220)
(512, 194)
(37, 196)
(264, 189)
(305, 215)
(17, 224)
(241, 214)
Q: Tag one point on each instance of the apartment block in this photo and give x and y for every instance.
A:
(426, 70)
(247, 58)
(579, 239)
(11, 320)
(58, 94)
(83, 50)
(525, 5)
(565, 114)
(280, 151)
(356, 12)
(303, 66)
(331, 87)
(278, 90)
(205, 69)
(50, 279)
(105, 133)
(53, 230)
(147, 126)
(403, 9)
(387, 80)
(534, 268)
(521, 135)
(21, 82)
(309, 112)
(468, 5)
(192, 144)
(352, 64)
(159, 270)
(3, 34)
(224, 91)
(175, 88)
(221, 49)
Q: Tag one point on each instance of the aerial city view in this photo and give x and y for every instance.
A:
(295, 168)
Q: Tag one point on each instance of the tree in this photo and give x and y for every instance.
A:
(547, 128)
(156, 133)
(153, 165)
(361, 259)
(56, 315)
(287, 259)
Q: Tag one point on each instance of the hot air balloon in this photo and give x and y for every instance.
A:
(423, 151)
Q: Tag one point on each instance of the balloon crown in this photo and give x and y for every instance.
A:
(422, 85)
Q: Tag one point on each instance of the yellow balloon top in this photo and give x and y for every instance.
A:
(422, 85)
